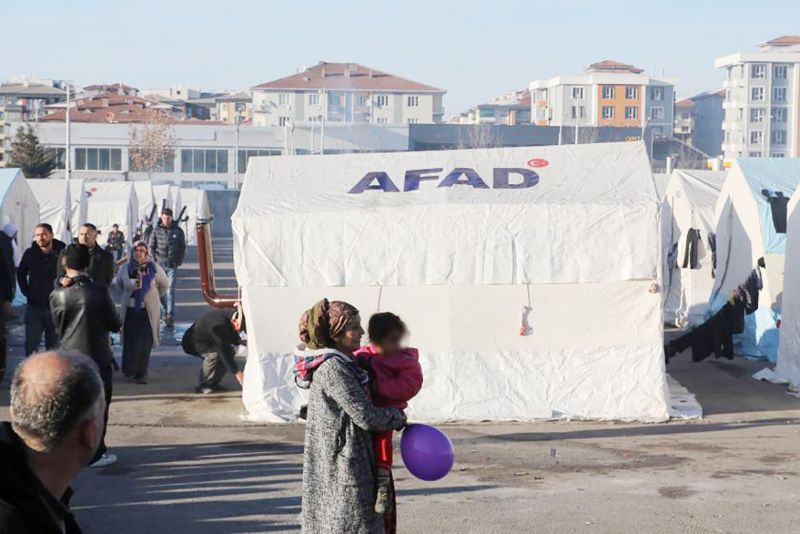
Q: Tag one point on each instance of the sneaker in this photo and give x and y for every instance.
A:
(169, 322)
(204, 390)
(218, 388)
(139, 380)
(105, 460)
(383, 500)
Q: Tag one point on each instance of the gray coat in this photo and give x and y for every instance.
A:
(339, 466)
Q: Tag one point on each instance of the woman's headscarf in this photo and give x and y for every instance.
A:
(324, 322)
(145, 272)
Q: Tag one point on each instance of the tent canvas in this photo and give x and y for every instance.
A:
(163, 196)
(196, 203)
(112, 203)
(746, 232)
(788, 366)
(54, 205)
(689, 201)
(177, 202)
(144, 198)
(466, 246)
(18, 205)
(80, 205)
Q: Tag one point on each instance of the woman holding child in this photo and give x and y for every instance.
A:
(339, 474)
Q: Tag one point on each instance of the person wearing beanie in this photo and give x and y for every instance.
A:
(84, 315)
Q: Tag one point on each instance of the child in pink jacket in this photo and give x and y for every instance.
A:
(396, 377)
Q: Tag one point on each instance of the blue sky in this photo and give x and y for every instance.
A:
(473, 49)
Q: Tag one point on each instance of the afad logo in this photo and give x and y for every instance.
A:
(502, 178)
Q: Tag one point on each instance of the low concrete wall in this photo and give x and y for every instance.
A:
(222, 205)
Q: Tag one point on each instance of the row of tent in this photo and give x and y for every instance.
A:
(532, 278)
(66, 205)
(717, 227)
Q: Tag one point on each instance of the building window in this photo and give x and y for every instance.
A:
(413, 101)
(413, 121)
(757, 114)
(577, 93)
(657, 113)
(59, 154)
(245, 154)
(758, 70)
(578, 112)
(754, 154)
(631, 112)
(779, 114)
(361, 100)
(283, 121)
(382, 120)
(98, 159)
(198, 160)
(607, 91)
(657, 94)
(240, 107)
(608, 112)
(756, 137)
(284, 98)
(779, 137)
(779, 71)
(313, 99)
(757, 93)
(779, 94)
(631, 92)
(382, 100)
(777, 155)
(167, 163)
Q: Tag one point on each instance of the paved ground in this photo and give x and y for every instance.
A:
(190, 464)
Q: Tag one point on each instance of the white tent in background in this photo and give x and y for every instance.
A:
(112, 203)
(747, 230)
(177, 203)
(469, 247)
(196, 203)
(661, 179)
(689, 201)
(80, 205)
(788, 367)
(55, 207)
(145, 199)
(163, 196)
(18, 205)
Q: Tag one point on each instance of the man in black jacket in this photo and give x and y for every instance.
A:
(36, 276)
(214, 337)
(8, 286)
(101, 263)
(168, 248)
(56, 424)
(115, 242)
(84, 315)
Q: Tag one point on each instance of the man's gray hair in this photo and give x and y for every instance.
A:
(46, 405)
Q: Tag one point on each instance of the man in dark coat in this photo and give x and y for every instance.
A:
(168, 248)
(101, 262)
(36, 276)
(8, 286)
(84, 314)
(115, 242)
(214, 337)
(56, 425)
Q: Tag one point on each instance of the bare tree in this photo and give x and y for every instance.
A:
(152, 143)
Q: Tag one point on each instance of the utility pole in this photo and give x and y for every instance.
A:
(67, 159)
(322, 126)
(236, 157)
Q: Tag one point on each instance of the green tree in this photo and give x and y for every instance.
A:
(30, 156)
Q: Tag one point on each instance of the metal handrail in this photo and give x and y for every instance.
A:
(208, 284)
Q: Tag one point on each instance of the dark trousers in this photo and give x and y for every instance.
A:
(3, 343)
(38, 320)
(107, 375)
(213, 370)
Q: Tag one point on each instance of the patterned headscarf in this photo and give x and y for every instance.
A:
(324, 322)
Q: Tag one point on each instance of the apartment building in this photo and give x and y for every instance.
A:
(22, 101)
(762, 100)
(236, 108)
(509, 109)
(698, 122)
(348, 93)
(609, 93)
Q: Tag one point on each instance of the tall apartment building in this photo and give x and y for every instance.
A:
(698, 122)
(762, 100)
(345, 92)
(609, 93)
(24, 101)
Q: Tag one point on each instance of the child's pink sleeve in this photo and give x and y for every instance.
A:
(406, 383)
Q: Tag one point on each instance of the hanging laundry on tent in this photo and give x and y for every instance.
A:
(692, 249)
(778, 203)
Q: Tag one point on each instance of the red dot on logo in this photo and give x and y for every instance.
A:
(538, 163)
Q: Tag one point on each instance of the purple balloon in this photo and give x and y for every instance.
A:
(427, 451)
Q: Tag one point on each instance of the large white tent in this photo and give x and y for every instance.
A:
(470, 247)
(689, 201)
(145, 199)
(80, 205)
(788, 367)
(112, 203)
(177, 202)
(18, 205)
(54, 206)
(746, 232)
(196, 203)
